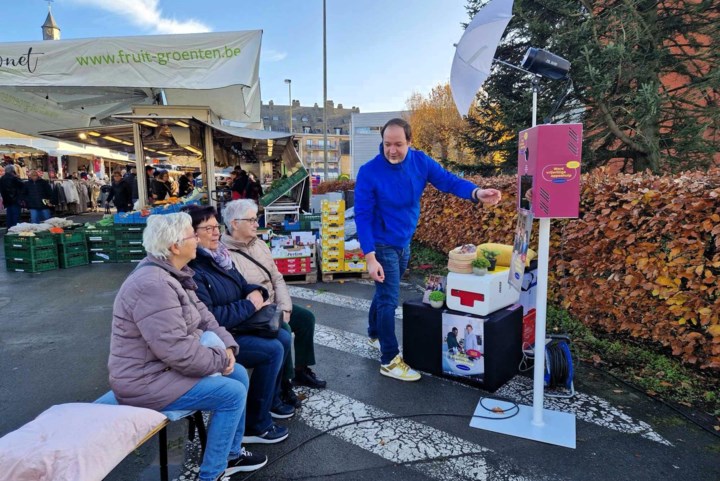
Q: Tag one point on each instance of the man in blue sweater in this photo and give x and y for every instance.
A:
(387, 209)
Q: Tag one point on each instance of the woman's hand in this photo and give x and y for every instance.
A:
(255, 297)
(231, 362)
(286, 316)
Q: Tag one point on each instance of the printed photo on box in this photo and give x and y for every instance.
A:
(463, 346)
(433, 282)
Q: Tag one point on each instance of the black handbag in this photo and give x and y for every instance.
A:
(264, 323)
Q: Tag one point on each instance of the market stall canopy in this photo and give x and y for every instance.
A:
(82, 83)
(20, 149)
(165, 136)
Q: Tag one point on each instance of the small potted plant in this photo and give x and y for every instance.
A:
(480, 266)
(437, 299)
(491, 256)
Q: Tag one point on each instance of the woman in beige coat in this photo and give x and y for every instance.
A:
(254, 260)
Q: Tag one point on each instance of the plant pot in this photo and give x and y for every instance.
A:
(479, 272)
(492, 262)
(437, 304)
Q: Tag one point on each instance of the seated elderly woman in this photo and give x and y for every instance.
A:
(167, 351)
(255, 261)
(232, 301)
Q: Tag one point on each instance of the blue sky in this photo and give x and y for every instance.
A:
(379, 52)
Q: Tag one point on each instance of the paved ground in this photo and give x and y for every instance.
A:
(54, 345)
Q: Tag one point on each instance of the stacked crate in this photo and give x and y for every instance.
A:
(72, 248)
(31, 253)
(101, 244)
(332, 236)
(128, 242)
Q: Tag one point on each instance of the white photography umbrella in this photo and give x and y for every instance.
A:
(475, 52)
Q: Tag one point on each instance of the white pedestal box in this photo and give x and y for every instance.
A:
(480, 295)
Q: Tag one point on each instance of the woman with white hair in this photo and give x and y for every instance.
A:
(256, 264)
(167, 351)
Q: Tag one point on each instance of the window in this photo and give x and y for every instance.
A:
(367, 130)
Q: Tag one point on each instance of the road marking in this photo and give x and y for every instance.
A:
(431, 451)
(335, 299)
(587, 408)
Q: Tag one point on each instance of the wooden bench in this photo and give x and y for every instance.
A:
(195, 421)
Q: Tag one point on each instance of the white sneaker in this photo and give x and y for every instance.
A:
(397, 369)
(374, 342)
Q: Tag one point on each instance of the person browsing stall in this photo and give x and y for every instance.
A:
(37, 196)
(387, 209)
(157, 357)
(223, 289)
(254, 260)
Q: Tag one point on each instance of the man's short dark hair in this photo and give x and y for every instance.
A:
(400, 123)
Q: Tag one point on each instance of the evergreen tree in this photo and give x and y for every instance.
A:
(646, 84)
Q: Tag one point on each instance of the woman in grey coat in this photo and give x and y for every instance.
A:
(167, 351)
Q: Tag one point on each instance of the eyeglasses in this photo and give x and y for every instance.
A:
(210, 228)
(194, 236)
(252, 220)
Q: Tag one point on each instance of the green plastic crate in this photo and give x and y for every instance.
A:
(101, 245)
(100, 234)
(127, 255)
(70, 237)
(72, 248)
(128, 244)
(129, 228)
(108, 256)
(74, 259)
(40, 239)
(40, 265)
(31, 254)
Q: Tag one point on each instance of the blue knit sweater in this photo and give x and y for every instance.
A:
(223, 292)
(387, 197)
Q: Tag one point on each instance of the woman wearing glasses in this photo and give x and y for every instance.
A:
(253, 258)
(232, 300)
(159, 357)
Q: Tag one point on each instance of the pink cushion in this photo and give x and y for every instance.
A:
(74, 442)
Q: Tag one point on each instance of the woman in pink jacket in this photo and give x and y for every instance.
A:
(167, 351)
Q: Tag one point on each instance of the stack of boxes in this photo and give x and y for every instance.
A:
(332, 236)
(293, 254)
(36, 253)
(128, 242)
(101, 244)
(72, 248)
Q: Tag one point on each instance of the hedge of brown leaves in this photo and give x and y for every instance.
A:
(643, 259)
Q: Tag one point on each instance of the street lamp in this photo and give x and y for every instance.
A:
(289, 83)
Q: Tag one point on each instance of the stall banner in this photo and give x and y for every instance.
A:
(189, 61)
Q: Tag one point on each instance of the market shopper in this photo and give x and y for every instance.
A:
(11, 191)
(162, 188)
(37, 195)
(387, 209)
(232, 301)
(185, 184)
(253, 190)
(120, 193)
(158, 355)
(255, 261)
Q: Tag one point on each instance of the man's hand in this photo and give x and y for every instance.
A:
(488, 196)
(374, 268)
(231, 362)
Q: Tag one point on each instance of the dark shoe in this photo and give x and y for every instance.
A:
(282, 411)
(246, 462)
(307, 377)
(273, 435)
(288, 396)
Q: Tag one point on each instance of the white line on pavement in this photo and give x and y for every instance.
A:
(335, 299)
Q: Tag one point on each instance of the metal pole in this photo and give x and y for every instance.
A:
(325, 141)
(289, 82)
(541, 303)
(140, 164)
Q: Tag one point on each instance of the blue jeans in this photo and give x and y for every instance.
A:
(381, 321)
(39, 215)
(266, 358)
(12, 215)
(224, 397)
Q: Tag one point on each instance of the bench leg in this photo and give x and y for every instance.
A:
(201, 430)
(163, 454)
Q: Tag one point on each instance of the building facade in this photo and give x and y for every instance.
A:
(365, 136)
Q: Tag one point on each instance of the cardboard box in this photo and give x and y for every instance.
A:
(480, 295)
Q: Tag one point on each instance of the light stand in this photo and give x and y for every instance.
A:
(289, 84)
(536, 423)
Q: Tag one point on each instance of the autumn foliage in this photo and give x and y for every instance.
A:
(642, 261)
